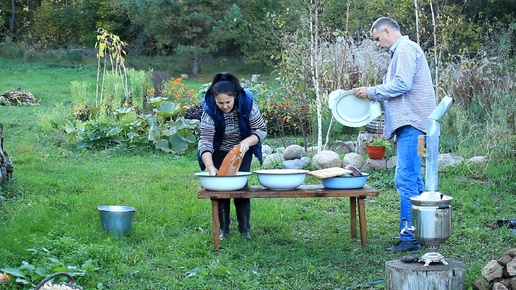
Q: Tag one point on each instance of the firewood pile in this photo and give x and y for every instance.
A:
(499, 274)
(18, 97)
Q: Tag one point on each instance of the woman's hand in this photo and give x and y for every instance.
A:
(244, 146)
(212, 170)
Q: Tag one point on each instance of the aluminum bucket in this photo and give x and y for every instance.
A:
(116, 219)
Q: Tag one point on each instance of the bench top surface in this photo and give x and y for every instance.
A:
(306, 190)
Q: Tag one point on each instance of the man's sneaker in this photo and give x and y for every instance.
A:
(405, 246)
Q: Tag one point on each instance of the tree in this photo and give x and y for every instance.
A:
(185, 27)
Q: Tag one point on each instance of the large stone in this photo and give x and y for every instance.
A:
(297, 163)
(273, 160)
(477, 160)
(377, 164)
(266, 149)
(343, 147)
(391, 162)
(449, 159)
(326, 159)
(354, 159)
(294, 152)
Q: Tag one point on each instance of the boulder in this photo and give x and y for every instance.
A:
(343, 147)
(326, 159)
(354, 159)
(391, 162)
(449, 159)
(297, 163)
(273, 160)
(294, 152)
(377, 164)
(267, 150)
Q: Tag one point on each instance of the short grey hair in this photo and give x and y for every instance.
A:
(383, 22)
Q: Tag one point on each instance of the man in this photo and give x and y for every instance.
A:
(409, 98)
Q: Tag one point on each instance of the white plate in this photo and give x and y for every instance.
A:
(352, 111)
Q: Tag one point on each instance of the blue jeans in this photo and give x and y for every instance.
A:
(408, 177)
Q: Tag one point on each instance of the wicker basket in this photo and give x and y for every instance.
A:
(68, 286)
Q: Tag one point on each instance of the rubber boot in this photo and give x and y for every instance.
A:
(243, 209)
(224, 218)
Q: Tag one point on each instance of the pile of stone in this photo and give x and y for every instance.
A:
(499, 274)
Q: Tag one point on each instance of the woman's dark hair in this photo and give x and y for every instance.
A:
(225, 83)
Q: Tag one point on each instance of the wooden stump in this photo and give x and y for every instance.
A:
(436, 276)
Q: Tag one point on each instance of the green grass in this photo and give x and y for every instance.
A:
(51, 205)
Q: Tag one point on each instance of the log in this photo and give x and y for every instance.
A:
(436, 276)
(492, 270)
(6, 165)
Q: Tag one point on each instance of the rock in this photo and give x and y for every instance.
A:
(492, 270)
(377, 164)
(354, 159)
(391, 163)
(294, 152)
(499, 286)
(477, 160)
(255, 78)
(326, 159)
(267, 150)
(449, 159)
(184, 76)
(280, 150)
(343, 147)
(480, 284)
(274, 160)
(297, 163)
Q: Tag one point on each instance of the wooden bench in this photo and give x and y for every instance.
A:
(359, 194)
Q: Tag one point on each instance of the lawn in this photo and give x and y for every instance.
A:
(49, 217)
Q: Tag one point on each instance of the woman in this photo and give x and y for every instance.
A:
(230, 117)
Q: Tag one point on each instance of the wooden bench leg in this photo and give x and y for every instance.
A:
(215, 223)
(362, 220)
(353, 216)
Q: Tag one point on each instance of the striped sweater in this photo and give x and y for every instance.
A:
(407, 90)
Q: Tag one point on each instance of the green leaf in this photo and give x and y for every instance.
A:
(163, 145)
(114, 131)
(168, 109)
(178, 144)
(14, 272)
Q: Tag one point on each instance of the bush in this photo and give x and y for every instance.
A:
(11, 50)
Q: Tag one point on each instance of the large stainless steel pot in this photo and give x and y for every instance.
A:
(431, 220)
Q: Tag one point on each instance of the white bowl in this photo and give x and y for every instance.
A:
(281, 179)
(223, 183)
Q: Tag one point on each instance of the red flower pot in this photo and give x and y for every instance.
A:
(375, 152)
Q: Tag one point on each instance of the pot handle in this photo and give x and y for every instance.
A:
(50, 277)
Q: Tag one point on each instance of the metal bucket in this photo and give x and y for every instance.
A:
(116, 219)
(431, 218)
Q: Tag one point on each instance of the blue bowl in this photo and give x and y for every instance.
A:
(345, 181)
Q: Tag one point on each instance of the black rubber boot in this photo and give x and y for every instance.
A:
(224, 218)
(243, 209)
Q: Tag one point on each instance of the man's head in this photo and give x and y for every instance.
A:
(385, 32)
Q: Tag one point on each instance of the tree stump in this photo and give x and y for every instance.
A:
(6, 165)
(436, 276)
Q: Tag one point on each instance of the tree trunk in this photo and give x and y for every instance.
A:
(436, 276)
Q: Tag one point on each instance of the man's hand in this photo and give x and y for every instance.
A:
(361, 92)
